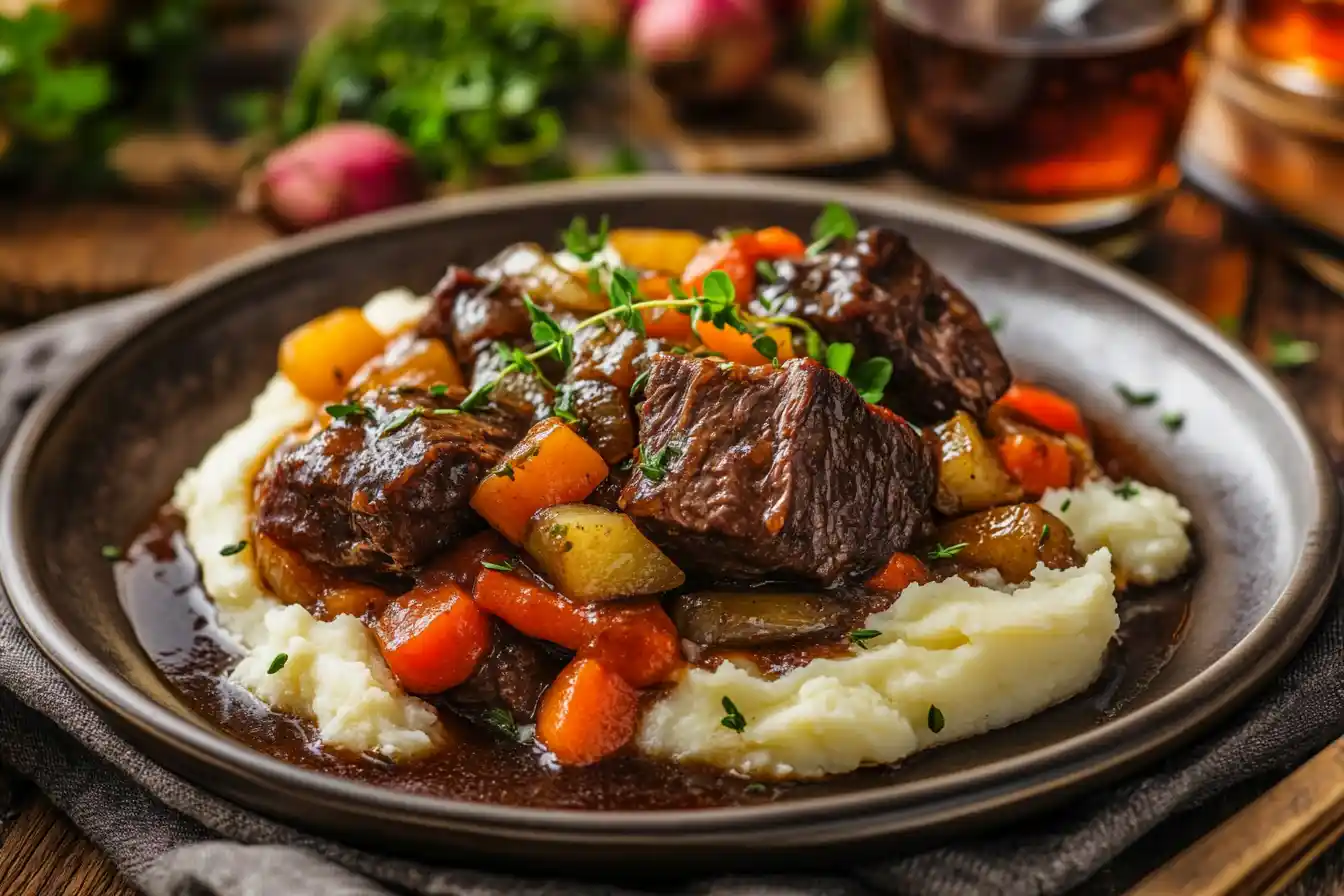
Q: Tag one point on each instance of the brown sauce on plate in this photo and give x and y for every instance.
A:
(172, 617)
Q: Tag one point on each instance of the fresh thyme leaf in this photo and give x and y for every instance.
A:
(861, 637)
(941, 552)
(506, 566)
(547, 334)
(505, 470)
(501, 720)
(621, 292)
(1126, 489)
(767, 348)
(399, 419)
(766, 270)
(839, 355)
(1286, 352)
(1173, 420)
(995, 323)
(834, 222)
(936, 720)
(626, 465)
(638, 385)
(438, 390)
(557, 530)
(1135, 399)
(1045, 536)
(871, 378)
(816, 349)
(582, 244)
(230, 549)
(1064, 508)
(277, 664)
(478, 396)
(755, 787)
(111, 552)
(445, 412)
(340, 411)
(734, 720)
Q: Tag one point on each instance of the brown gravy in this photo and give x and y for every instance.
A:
(161, 592)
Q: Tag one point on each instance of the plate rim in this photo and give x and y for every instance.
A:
(1055, 768)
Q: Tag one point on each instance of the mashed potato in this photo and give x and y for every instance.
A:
(985, 659)
(1146, 531)
(335, 675)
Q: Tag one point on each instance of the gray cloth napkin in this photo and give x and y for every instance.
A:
(174, 839)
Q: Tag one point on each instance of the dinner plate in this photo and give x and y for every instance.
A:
(100, 453)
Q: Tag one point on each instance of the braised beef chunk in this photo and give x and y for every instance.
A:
(387, 487)
(751, 472)
(512, 677)
(470, 312)
(882, 296)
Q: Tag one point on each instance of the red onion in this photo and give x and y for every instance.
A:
(704, 50)
(335, 172)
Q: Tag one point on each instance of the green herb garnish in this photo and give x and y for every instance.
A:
(1287, 352)
(501, 720)
(564, 404)
(734, 720)
(767, 348)
(936, 720)
(111, 552)
(445, 412)
(582, 244)
(755, 787)
(834, 222)
(839, 356)
(766, 270)
(557, 530)
(995, 323)
(438, 390)
(655, 467)
(871, 378)
(1126, 489)
(1135, 399)
(941, 552)
(638, 385)
(505, 566)
(1045, 536)
(505, 470)
(1064, 508)
(277, 664)
(398, 420)
(861, 637)
(1173, 420)
(230, 549)
(341, 411)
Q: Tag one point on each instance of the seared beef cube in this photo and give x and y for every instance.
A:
(749, 472)
(883, 297)
(470, 312)
(388, 487)
(606, 418)
(522, 390)
(512, 677)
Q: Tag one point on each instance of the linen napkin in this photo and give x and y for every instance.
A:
(174, 839)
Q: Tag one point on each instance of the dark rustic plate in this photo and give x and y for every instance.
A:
(97, 456)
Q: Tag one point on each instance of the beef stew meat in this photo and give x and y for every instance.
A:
(757, 472)
(470, 312)
(386, 487)
(883, 297)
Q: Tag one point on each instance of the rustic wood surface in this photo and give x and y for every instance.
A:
(1227, 268)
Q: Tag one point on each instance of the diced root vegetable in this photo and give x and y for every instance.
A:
(776, 242)
(666, 251)
(321, 356)
(1010, 539)
(433, 639)
(900, 572)
(594, 554)
(587, 714)
(970, 476)
(1039, 462)
(738, 347)
(552, 465)
(727, 256)
(637, 639)
(410, 361)
(753, 618)
(1043, 407)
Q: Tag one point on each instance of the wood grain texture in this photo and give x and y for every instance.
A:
(43, 854)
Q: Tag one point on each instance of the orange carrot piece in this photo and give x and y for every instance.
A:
(738, 347)
(551, 465)
(901, 571)
(587, 714)
(733, 257)
(320, 357)
(636, 638)
(432, 639)
(777, 242)
(1037, 463)
(663, 323)
(1046, 408)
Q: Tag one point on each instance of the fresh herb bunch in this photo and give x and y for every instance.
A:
(472, 86)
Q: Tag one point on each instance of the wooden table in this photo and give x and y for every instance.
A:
(1245, 278)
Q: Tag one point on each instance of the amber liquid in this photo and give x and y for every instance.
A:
(1305, 33)
(1058, 130)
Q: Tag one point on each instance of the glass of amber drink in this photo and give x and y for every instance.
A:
(1064, 114)
(1298, 43)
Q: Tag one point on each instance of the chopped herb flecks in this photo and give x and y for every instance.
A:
(936, 720)
(1045, 535)
(861, 637)
(1135, 399)
(438, 390)
(995, 323)
(1286, 352)
(230, 549)
(111, 552)
(755, 787)
(638, 385)
(277, 664)
(655, 467)
(505, 470)
(1173, 420)
(339, 411)
(505, 566)
(1126, 489)
(1064, 508)
(766, 270)
(734, 720)
(940, 552)
(835, 222)
(398, 420)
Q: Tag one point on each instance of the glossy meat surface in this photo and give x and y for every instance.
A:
(886, 299)
(365, 492)
(773, 473)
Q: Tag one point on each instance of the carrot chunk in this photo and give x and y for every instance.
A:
(587, 714)
(1046, 408)
(901, 571)
(740, 347)
(663, 323)
(637, 639)
(551, 465)
(320, 357)
(777, 242)
(733, 257)
(1037, 463)
(432, 639)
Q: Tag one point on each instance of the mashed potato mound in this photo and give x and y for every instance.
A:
(332, 674)
(985, 659)
(1146, 531)
(335, 674)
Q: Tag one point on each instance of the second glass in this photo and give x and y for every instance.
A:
(1064, 114)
